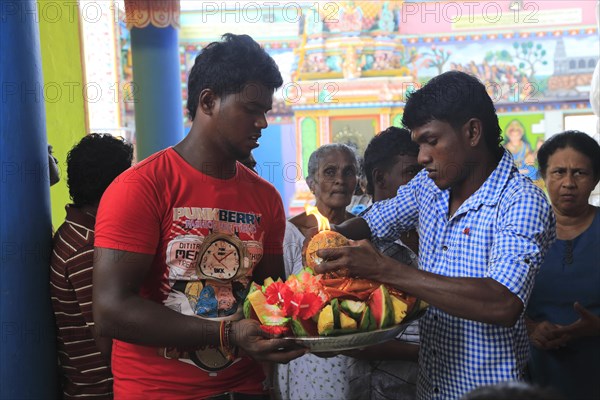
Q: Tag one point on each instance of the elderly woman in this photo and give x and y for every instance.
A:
(564, 309)
(332, 170)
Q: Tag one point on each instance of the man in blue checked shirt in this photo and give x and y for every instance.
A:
(484, 230)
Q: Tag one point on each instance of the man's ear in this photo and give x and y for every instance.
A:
(474, 131)
(378, 178)
(208, 100)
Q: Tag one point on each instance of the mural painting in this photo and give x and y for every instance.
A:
(523, 135)
(347, 65)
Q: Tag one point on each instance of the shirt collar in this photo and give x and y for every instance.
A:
(80, 216)
(489, 193)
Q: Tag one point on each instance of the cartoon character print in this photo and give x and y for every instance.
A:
(219, 300)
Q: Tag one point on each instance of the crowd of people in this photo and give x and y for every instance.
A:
(153, 261)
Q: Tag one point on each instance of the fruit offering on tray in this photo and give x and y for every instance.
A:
(307, 304)
(303, 306)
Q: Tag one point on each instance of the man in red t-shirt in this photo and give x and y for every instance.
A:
(179, 237)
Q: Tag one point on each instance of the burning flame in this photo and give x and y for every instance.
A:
(322, 222)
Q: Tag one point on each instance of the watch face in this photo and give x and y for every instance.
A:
(221, 258)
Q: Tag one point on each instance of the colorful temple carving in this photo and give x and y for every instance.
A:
(347, 67)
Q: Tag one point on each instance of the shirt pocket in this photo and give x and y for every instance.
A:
(467, 254)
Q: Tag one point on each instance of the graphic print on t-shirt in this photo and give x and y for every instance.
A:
(210, 256)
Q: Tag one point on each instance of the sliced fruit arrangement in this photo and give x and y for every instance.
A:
(306, 306)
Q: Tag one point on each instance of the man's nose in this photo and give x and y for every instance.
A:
(423, 158)
(261, 123)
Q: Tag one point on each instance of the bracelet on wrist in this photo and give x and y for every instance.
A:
(225, 333)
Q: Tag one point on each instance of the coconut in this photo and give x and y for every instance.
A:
(323, 240)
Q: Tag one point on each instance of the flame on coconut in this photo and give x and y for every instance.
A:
(322, 222)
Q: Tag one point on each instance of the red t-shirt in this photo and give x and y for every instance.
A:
(207, 235)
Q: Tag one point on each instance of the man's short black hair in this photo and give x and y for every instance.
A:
(93, 163)
(227, 66)
(384, 148)
(455, 97)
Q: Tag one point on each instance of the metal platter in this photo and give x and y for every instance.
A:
(319, 344)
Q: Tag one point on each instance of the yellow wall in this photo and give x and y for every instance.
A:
(63, 94)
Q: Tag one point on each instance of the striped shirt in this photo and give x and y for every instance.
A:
(84, 370)
(501, 232)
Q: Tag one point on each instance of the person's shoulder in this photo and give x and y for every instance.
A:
(596, 220)
(250, 182)
(421, 182)
(72, 239)
(149, 171)
(520, 185)
(155, 161)
(300, 220)
(522, 197)
(303, 222)
(249, 177)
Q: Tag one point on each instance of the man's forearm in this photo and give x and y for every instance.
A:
(478, 299)
(141, 321)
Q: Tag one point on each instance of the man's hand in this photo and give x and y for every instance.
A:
(546, 336)
(262, 346)
(587, 325)
(360, 258)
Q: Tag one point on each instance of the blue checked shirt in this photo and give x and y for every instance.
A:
(501, 232)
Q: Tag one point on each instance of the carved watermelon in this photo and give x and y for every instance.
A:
(354, 308)
(382, 308)
(268, 314)
(367, 322)
(335, 308)
(304, 327)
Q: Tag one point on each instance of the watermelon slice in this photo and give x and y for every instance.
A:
(382, 308)
(335, 308)
(354, 308)
(268, 314)
(249, 311)
(367, 322)
(304, 327)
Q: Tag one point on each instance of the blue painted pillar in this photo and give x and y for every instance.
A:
(156, 76)
(28, 357)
